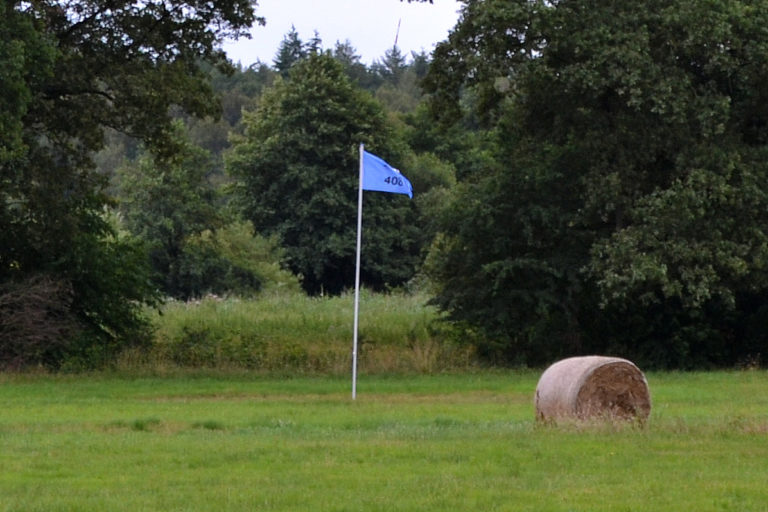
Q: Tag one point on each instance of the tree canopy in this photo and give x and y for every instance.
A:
(298, 163)
(589, 175)
(625, 206)
(69, 71)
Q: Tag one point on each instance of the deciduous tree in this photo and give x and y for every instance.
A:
(70, 69)
(298, 167)
(626, 206)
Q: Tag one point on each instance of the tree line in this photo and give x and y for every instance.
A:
(588, 175)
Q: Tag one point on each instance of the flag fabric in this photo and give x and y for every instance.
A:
(379, 176)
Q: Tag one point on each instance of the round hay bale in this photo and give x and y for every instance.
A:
(592, 387)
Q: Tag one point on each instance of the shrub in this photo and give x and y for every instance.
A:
(36, 321)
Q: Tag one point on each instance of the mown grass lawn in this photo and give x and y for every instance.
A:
(416, 443)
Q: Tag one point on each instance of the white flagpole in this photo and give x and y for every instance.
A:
(357, 274)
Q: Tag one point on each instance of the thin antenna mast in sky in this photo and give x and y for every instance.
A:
(397, 34)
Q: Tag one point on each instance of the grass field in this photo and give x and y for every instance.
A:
(447, 442)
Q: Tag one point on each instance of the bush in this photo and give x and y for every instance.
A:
(234, 260)
(36, 321)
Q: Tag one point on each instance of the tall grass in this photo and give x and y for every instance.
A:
(295, 333)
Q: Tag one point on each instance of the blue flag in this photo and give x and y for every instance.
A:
(379, 176)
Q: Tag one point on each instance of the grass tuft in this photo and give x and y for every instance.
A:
(209, 425)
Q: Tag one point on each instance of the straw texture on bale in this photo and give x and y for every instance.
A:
(592, 387)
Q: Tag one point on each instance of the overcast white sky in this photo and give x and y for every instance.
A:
(370, 25)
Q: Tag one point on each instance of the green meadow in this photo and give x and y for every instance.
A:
(444, 442)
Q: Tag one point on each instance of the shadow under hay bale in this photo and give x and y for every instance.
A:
(592, 387)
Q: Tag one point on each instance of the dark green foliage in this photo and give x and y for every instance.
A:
(194, 249)
(69, 70)
(291, 51)
(356, 71)
(87, 309)
(234, 260)
(241, 89)
(625, 208)
(26, 60)
(111, 284)
(392, 66)
(298, 164)
(164, 201)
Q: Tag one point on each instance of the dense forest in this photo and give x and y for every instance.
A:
(589, 176)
